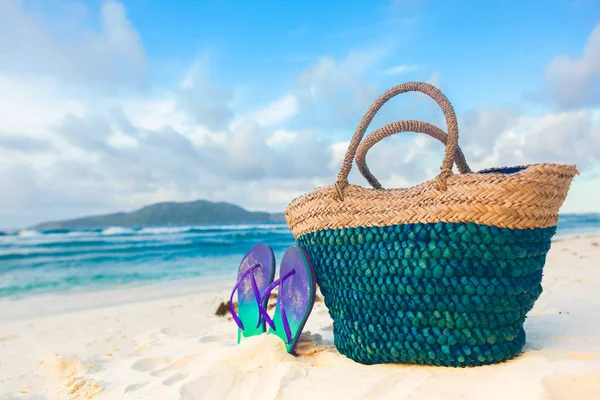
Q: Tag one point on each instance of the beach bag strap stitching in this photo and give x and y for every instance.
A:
(397, 127)
(451, 123)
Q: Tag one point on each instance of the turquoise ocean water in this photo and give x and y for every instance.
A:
(33, 262)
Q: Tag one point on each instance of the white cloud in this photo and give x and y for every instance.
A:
(274, 114)
(503, 137)
(120, 141)
(202, 101)
(281, 138)
(575, 82)
(339, 152)
(68, 49)
(480, 129)
(278, 112)
(30, 104)
(401, 69)
(334, 94)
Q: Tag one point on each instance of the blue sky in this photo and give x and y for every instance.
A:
(113, 105)
(268, 43)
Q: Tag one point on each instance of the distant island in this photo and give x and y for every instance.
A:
(168, 214)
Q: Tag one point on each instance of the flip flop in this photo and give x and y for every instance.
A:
(255, 274)
(297, 288)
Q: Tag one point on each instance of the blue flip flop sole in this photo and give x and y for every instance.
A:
(296, 293)
(248, 307)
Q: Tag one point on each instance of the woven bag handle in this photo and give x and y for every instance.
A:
(426, 88)
(397, 127)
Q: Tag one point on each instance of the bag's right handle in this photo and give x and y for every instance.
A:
(397, 127)
(426, 88)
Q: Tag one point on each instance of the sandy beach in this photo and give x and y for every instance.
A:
(165, 342)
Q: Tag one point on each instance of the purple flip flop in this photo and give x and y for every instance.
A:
(255, 274)
(297, 289)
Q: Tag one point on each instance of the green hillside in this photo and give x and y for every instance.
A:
(169, 213)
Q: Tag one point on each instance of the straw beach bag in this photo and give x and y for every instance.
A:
(442, 273)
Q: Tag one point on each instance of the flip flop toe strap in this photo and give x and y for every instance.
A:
(265, 315)
(265, 295)
(255, 290)
(286, 325)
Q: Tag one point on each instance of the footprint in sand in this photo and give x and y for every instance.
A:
(134, 387)
(174, 379)
(149, 364)
(168, 332)
(175, 365)
(210, 339)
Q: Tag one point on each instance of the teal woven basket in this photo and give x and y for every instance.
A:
(442, 273)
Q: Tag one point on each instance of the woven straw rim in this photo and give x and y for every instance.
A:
(526, 199)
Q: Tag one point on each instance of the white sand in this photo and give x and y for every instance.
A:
(121, 345)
